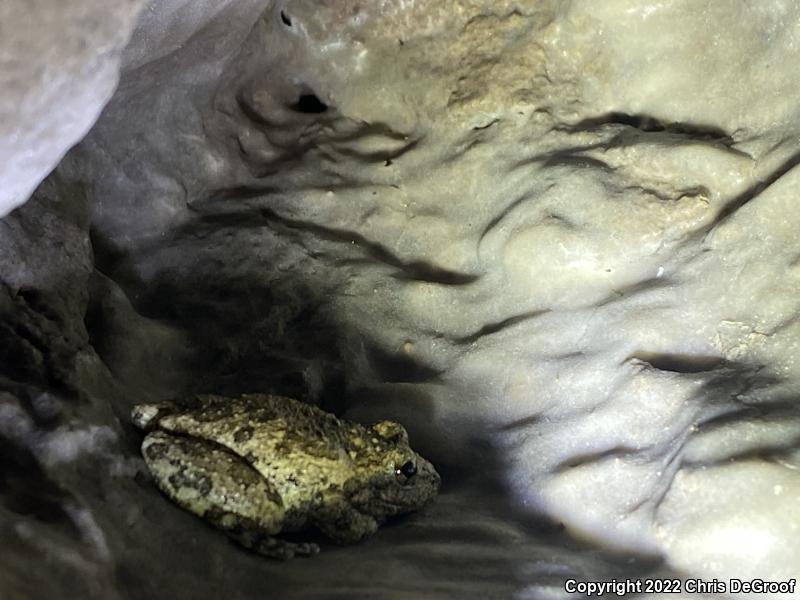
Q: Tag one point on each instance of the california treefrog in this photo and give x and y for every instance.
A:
(259, 465)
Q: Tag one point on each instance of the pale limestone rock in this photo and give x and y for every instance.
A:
(59, 63)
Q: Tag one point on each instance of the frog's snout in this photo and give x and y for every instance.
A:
(428, 480)
(435, 481)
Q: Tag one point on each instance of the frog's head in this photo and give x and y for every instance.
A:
(394, 479)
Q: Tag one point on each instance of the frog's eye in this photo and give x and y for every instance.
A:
(407, 471)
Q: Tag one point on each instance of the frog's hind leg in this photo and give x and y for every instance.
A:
(221, 487)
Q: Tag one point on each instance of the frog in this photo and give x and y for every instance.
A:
(260, 466)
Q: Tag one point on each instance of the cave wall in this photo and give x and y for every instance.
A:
(60, 67)
(555, 239)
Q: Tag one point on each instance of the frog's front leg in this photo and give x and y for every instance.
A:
(222, 488)
(342, 523)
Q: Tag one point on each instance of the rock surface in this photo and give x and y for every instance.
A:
(60, 62)
(555, 239)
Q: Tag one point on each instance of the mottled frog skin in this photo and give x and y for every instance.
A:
(259, 465)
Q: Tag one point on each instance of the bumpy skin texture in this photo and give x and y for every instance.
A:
(259, 465)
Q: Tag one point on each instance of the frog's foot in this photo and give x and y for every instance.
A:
(273, 547)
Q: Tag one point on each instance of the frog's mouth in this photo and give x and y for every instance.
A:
(382, 509)
(396, 499)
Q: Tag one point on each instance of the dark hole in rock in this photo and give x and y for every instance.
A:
(310, 104)
(286, 20)
(680, 363)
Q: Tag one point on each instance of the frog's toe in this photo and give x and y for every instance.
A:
(306, 549)
(286, 550)
(145, 416)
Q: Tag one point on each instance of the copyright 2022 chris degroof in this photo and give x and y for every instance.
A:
(623, 587)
